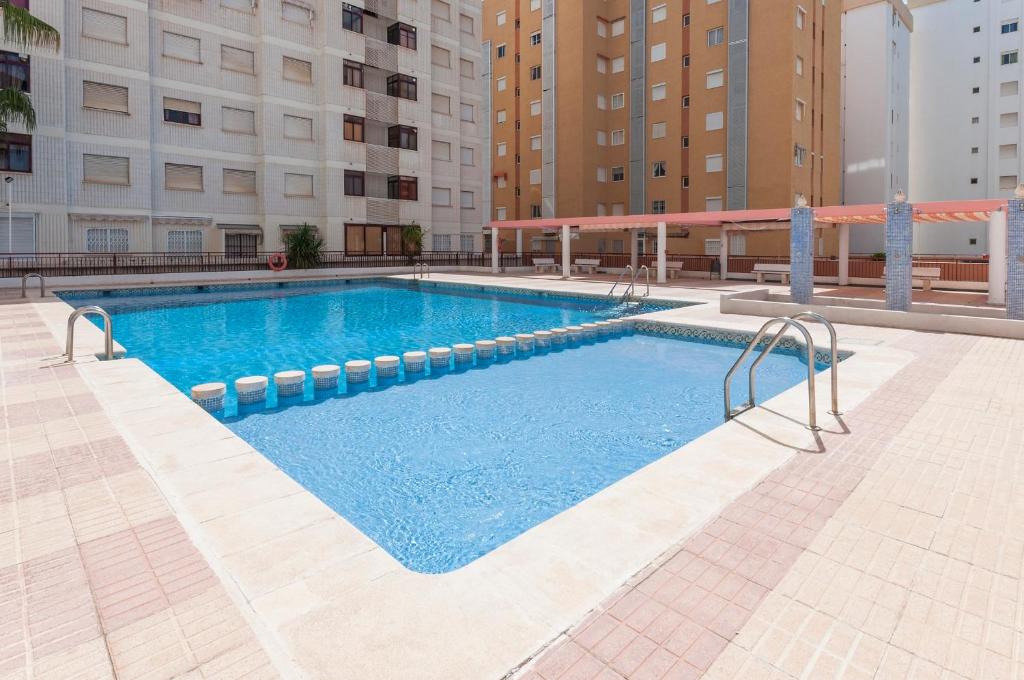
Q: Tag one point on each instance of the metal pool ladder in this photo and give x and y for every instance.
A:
(421, 270)
(632, 277)
(787, 322)
(631, 284)
(108, 331)
(24, 284)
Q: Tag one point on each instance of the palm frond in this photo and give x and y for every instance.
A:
(16, 106)
(25, 30)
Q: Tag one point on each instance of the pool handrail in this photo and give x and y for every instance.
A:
(108, 331)
(33, 275)
(628, 269)
(421, 270)
(833, 369)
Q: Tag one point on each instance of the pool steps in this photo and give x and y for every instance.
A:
(252, 390)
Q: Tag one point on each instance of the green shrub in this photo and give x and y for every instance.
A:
(303, 247)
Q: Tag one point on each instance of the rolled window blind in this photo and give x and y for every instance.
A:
(239, 181)
(440, 103)
(439, 56)
(183, 177)
(297, 70)
(104, 26)
(105, 169)
(104, 96)
(235, 59)
(296, 127)
(181, 46)
(239, 5)
(297, 13)
(182, 105)
(238, 120)
(298, 185)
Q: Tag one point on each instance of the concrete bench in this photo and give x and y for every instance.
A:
(542, 264)
(673, 269)
(780, 270)
(588, 266)
(924, 274)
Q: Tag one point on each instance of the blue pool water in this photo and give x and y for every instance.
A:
(219, 335)
(441, 471)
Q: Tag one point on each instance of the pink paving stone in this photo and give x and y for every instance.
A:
(612, 644)
(730, 620)
(683, 637)
(671, 590)
(730, 586)
(627, 604)
(707, 610)
(664, 626)
(635, 653)
(705, 650)
(682, 671)
(596, 631)
(561, 659)
(655, 666)
(644, 615)
(586, 668)
(750, 595)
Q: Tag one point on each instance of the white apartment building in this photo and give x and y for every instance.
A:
(965, 107)
(185, 126)
(875, 109)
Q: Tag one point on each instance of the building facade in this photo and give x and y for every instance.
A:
(635, 106)
(965, 107)
(876, 109)
(218, 126)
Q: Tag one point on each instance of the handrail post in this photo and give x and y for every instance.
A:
(108, 331)
(24, 284)
(834, 368)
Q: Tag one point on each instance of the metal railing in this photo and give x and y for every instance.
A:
(647, 279)
(730, 412)
(834, 347)
(33, 275)
(421, 270)
(108, 331)
(628, 269)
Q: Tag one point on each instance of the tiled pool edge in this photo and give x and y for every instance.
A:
(622, 492)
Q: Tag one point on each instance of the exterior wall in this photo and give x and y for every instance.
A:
(757, 157)
(876, 110)
(956, 133)
(65, 206)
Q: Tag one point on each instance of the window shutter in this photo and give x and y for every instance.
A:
(238, 5)
(181, 47)
(105, 97)
(184, 241)
(297, 13)
(440, 103)
(296, 127)
(182, 105)
(439, 56)
(238, 120)
(298, 185)
(297, 70)
(104, 26)
(235, 59)
(183, 177)
(105, 169)
(441, 150)
(23, 238)
(239, 181)
(441, 10)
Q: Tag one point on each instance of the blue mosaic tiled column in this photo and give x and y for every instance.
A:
(801, 255)
(899, 252)
(1015, 259)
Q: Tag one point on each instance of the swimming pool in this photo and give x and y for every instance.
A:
(205, 334)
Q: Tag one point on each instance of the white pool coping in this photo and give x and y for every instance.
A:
(337, 605)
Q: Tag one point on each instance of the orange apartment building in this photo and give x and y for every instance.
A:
(606, 107)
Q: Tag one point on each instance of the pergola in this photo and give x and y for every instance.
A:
(992, 211)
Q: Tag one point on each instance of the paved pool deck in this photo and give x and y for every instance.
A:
(141, 538)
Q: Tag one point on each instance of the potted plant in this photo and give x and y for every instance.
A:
(412, 240)
(303, 247)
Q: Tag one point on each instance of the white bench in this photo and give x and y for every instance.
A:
(780, 270)
(673, 269)
(588, 266)
(541, 264)
(925, 274)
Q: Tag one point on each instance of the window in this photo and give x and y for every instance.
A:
(501, 84)
(354, 128)
(602, 28)
(352, 73)
(1009, 26)
(502, 149)
(799, 110)
(439, 56)
(686, 101)
(441, 103)
(402, 137)
(658, 130)
(465, 199)
(738, 244)
(602, 138)
(501, 115)
(1008, 152)
(441, 196)
(535, 107)
(684, 141)
(296, 70)
(975, 150)
(500, 182)
(974, 180)
(402, 86)
(686, 20)
(535, 38)
(602, 64)
(499, 51)
(714, 121)
(799, 155)
(658, 169)
(713, 203)
(619, 26)
(715, 79)
(1008, 120)
(466, 68)
(403, 35)
(685, 182)
(351, 17)
(535, 143)
(1007, 182)
(106, 240)
(467, 156)
(440, 9)
(659, 14)
(466, 243)
(297, 127)
(177, 46)
(657, 52)
(240, 244)
(235, 59)
(602, 102)
(975, 90)
(104, 26)
(238, 120)
(1009, 89)
(500, 213)
(466, 24)
(713, 163)
(15, 73)
(104, 97)
(184, 241)
(535, 176)
(296, 13)
(298, 185)
(602, 174)
(716, 36)
(657, 207)
(403, 188)
(799, 66)
(618, 100)
(618, 208)
(102, 169)
(1007, 58)
(355, 183)
(466, 113)
(686, 61)
(442, 243)
(182, 111)
(178, 177)
(16, 153)
(801, 18)
(618, 64)
(238, 181)
(659, 92)
(535, 72)
(441, 151)
(500, 18)
(618, 137)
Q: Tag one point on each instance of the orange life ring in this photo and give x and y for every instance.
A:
(277, 262)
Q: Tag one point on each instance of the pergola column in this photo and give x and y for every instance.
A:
(662, 251)
(723, 253)
(566, 251)
(801, 253)
(844, 254)
(997, 240)
(1015, 257)
(495, 255)
(634, 247)
(519, 242)
(899, 254)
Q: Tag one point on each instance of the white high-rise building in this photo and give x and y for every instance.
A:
(184, 126)
(965, 133)
(876, 108)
